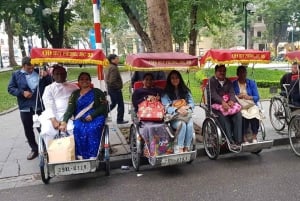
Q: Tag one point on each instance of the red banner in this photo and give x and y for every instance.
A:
(161, 61)
(73, 56)
(235, 56)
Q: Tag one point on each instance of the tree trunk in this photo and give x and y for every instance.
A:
(9, 32)
(159, 25)
(55, 35)
(137, 26)
(22, 47)
(193, 32)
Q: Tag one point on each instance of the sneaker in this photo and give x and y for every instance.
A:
(32, 155)
(235, 147)
(122, 122)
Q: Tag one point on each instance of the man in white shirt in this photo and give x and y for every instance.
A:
(55, 99)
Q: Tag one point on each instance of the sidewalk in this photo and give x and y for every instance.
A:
(14, 148)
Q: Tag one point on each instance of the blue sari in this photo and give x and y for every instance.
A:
(87, 135)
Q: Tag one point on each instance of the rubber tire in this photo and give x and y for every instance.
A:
(209, 128)
(135, 152)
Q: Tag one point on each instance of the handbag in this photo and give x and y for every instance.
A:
(179, 103)
(179, 117)
(245, 103)
(61, 149)
(151, 111)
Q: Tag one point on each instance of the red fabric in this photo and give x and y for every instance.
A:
(161, 60)
(151, 111)
(293, 56)
(235, 56)
(73, 56)
(295, 77)
(156, 83)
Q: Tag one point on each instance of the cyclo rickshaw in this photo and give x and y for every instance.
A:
(214, 136)
(281, 109)
(39, 56)
(139, 145)
(283, 112)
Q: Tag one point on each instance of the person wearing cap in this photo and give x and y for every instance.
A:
(28, 85)
(114, 86)
(55, 99)
(288, 77)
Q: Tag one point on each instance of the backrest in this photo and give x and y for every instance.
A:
(157, 83)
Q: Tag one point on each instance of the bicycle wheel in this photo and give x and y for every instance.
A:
(43, 158)
(135, 148)
(294, 134)
(211, 138)
(277, 114)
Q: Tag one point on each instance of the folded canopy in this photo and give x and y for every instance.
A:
(70, 56)
(160, 61)
(293, 56)
(235, 56)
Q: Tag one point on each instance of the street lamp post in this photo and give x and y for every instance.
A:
(248, 8)
(1, 61)
(293, 28)
(42, 12)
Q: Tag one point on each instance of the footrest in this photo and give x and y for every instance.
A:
(253, 147)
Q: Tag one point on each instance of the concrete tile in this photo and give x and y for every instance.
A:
(29, 167)
(10, 169)
(120, 150)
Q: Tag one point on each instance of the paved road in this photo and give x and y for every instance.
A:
(273, 175)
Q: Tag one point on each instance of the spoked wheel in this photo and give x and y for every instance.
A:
(294, 134)
(106, 151)
(277, 114)
(212, 138)
(43, 157)
(135, 148)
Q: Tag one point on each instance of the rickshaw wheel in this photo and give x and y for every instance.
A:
(135, 148)
(277, 114)
(193, 146)
(261, 136)
(43, 157)
(294, 134)
(106, 151)
(211, 138)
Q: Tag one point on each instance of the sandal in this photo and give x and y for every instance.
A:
(254, 138)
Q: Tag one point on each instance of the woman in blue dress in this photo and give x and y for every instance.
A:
(89, 107)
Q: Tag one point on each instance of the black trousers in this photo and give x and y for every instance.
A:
(116, 97)
(26, 118)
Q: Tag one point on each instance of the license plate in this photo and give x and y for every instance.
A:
(72, 168)
(172, 160)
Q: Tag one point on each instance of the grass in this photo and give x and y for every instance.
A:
(7, 101)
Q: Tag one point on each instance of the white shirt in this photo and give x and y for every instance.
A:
(55, 98)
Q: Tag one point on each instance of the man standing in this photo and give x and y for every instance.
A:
(114, 86)
(28, 85)
(288, 77)
(55, 99)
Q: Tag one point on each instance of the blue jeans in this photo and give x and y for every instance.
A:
(116, 98)
(185, 134)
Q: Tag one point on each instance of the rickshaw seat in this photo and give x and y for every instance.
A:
(157, 83)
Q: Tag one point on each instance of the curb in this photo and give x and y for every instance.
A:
(117, 161)
(9, 110)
